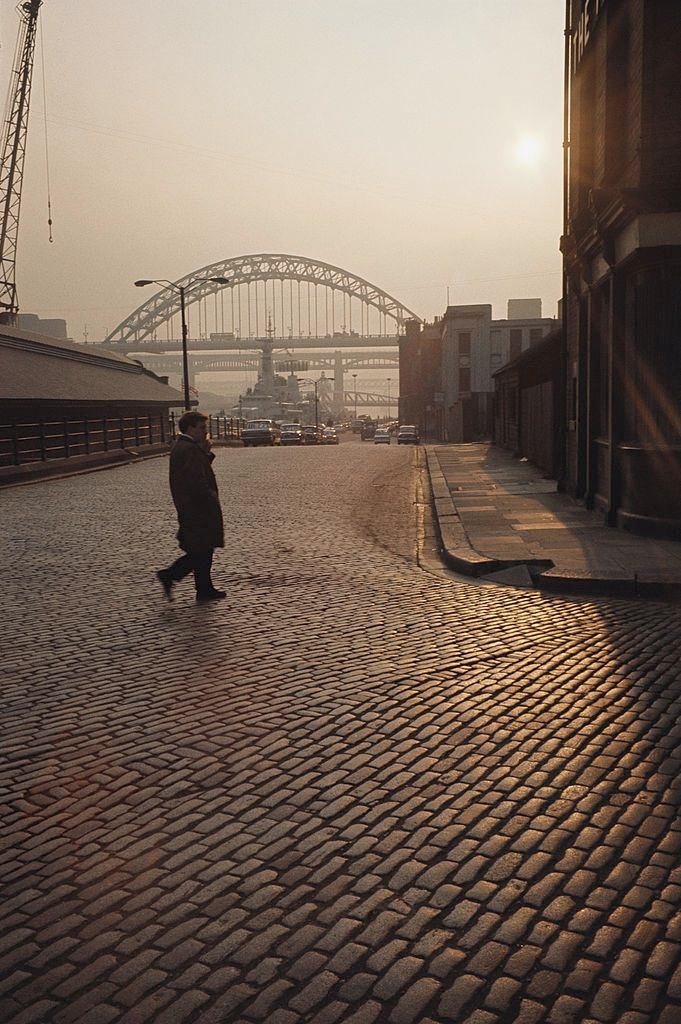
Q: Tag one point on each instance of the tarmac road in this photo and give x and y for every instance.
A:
(364, 791)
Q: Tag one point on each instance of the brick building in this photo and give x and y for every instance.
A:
(420, 378)
(622, 251)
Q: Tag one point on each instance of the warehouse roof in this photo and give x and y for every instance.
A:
(34, 367)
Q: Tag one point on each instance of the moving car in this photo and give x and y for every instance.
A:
(408, 434)
(368, 430)
(330, 435)
(291, 433)
(257, 432)
(382, 436)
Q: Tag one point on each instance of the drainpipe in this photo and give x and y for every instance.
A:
(561, 468)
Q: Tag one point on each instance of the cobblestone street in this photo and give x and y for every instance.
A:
(363, 792)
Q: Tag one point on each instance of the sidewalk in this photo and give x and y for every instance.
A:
(501, 519)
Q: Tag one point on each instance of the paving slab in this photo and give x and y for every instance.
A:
(507, 514)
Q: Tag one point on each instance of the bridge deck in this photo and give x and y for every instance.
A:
(229, 343)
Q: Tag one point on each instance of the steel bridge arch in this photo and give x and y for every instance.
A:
(163, 305)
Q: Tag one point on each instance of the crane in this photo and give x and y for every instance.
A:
(13, 151)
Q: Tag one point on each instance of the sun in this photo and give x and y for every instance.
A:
(529, 151)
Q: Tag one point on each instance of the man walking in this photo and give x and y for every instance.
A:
(195, 494)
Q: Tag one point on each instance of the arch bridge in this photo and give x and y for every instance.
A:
(269, 296)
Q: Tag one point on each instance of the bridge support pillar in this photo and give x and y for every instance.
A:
(338, 384)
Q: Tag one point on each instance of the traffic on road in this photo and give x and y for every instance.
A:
(269, 433)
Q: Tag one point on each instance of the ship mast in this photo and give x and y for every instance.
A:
(13, 151)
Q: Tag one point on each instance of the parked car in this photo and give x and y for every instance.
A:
(291, 433)
(330, 435)
(312, 435)
(407, 434)
(257, 432)
(382, 436)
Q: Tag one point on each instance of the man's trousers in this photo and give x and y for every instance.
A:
(199, 562)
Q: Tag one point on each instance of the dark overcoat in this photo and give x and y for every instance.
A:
(195, 493)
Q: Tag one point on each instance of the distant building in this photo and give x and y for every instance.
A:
(524, 309)
(447, 367)
(420, 400)
(622, 250)
(474, 346)
(53, 328)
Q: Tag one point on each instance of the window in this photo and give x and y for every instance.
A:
(516, 342)
(536, 334)
(464, 380)
(464, 343)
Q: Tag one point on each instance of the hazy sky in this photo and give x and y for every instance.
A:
(417, 145)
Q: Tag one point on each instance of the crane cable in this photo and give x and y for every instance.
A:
(47, 152)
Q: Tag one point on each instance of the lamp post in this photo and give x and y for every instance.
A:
(306, 380)
(181, 288)
(389, 379)
(355, 379)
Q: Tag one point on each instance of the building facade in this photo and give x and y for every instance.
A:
(528, 409)
(447, 367)
(420, 401)
(474, 347)
(622, 256)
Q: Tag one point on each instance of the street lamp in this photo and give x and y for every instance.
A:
(389, 379)
(355, 379)
(181, 288)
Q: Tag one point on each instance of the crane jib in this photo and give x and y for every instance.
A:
(12, 156)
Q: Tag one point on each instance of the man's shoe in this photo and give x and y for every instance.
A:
(164, 578)
(212, 595)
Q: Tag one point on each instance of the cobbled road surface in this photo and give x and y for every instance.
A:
(364, 791)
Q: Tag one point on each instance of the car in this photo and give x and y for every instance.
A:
(330, 435)
(408, 434)
(291, 433)
(312, 435)
(368, 430)
(382, 436)
(258, 432)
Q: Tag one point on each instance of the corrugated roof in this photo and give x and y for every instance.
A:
(34, 367)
